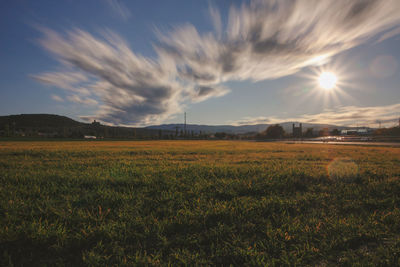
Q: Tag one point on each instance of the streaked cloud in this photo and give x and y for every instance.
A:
(389, 34)
(261, 40)
(271, 39)
(119, 8)
(346, 116)
(132, 89)
(57, 98)
(81, 100)
(204, 92)
(67, 80)
(216, 20)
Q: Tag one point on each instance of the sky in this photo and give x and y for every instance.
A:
(138, 63)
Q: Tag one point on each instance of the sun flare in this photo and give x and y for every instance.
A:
(327, 80)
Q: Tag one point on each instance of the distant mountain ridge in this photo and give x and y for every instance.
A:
(211, 128)
(242, 129)
(57, 121)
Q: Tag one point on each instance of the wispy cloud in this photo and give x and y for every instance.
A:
(81, 100)
(261, 40)
(67, 80)
(389, 34)
(204, 92)
(57, 98)
(346, 116)
(119, 8)
(216, 20)
(271, 39)
(133, 89)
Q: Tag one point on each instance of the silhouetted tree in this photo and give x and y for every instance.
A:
(309, 132)
(7, 129)
(13, 128)
(335, 132)
(323, 132)
(220, 135)
(274, 131)
(394, 131)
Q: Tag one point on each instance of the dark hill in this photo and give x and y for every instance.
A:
(49, 125)
(38, 121)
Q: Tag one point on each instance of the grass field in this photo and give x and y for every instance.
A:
(198, 202)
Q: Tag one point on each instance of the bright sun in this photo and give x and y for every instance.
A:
(327, 80)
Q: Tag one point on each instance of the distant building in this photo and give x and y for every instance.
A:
(297, 131)
(95, 123)
(362, 131)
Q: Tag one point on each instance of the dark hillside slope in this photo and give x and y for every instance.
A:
(38, 121)
(49, 125)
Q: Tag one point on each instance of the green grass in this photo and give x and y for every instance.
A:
(198, 202)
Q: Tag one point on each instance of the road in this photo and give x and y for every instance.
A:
(368, 143)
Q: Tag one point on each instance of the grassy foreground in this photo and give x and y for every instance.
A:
(198, 202)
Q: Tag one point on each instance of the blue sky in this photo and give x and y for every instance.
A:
(223, 62)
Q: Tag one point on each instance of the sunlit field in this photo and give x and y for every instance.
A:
(198, 202)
